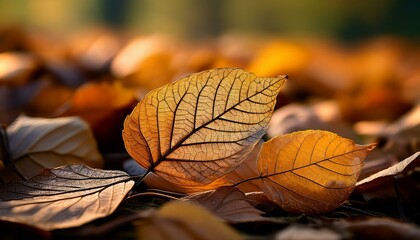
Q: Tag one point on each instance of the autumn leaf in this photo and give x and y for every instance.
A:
(247, 169)
(37, 143)
(179, 220)
(64, 197)
(388, 173)
(104, 105)
(197, 129)
(228, 203)
(310, 171)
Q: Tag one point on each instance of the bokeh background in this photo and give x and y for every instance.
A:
(353, 66)
(343, 20)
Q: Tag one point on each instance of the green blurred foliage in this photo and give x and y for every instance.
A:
(341, 19)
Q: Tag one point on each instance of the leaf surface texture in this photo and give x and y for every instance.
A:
(198, 128)
(310, 171)
(64, 197)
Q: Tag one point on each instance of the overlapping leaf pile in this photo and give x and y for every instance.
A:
(202, 134)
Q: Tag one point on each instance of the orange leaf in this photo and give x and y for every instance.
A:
(310, 171)
(197, 129)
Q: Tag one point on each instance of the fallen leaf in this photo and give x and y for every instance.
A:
(380, 228)
(228, 203)
(37, 143)
(179, 220)
(64, 197)
(310, 171)
(197, 129)
(387, 174)
(301, 232)
(104, 105)
(297, 117)
(247, 169)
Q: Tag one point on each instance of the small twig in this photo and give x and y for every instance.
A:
(5, 152)
(358, 210)
(146, 194)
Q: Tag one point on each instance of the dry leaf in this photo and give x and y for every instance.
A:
(154, 181)
(297, 117)
(104, 106)
(247, 169)
(380, 228)
(387, 174)
(197, 129)
(64, 197)
(178, 220)
(303, 233)
(37, 143)
(310, 171)
(228, 203)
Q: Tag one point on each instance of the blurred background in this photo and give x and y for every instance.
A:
(353, 66)
(344, 20)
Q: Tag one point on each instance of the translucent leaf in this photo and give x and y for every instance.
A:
(310, 171)
(197, 129)
(64, 197)
(228, 203)
(37, 143)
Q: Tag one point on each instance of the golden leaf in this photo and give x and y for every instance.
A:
(197, 129)
(180, 220)
(310, 171)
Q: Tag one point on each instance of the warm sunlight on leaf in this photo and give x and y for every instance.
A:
(228, 203)
(64, 197)
(179, 220)
(37, 143)
(153, 181)
(310, 171)
(197, 129)
(380, 177)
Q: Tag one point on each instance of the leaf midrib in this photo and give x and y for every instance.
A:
(182, 140)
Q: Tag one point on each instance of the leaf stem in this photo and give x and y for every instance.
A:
(140, 180)
(5, 155)
(156, 194)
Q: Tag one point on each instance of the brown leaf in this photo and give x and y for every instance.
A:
(37, 143)
(64, 197)
(310, 171)
(300, 232)
(387, 174)
(297, 117)
(178, 220)
(228, 203)
(197, 129)
(380, 228)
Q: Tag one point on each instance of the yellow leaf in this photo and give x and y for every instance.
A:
(178, 220)
(197, 129)
(310, 171)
